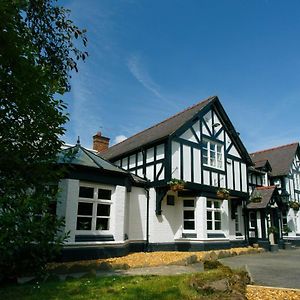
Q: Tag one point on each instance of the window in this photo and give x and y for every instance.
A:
(189, 215)
(170, 200)
(297, 181)
(213, 215)
(93, 211)
(252, 219)
(212, 154)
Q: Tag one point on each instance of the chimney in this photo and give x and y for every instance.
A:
(100, 143)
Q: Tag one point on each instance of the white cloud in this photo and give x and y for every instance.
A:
(138, 70)
(119, 139)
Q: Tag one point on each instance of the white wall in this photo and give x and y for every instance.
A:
(67, 205)
(163, 228)
(137, 217)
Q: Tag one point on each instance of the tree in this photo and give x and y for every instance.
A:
(39, 48)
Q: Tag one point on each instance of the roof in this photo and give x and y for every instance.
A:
(156, 132)
(263, 165)
(280, 158)
(167, 127)
(77, 155)
(266, 192)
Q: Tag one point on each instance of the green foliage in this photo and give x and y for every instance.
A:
(37, 54)
(256, 197)
(223, 193)
(175, 181)
(295, 205)
(272, 229)
(286, 229)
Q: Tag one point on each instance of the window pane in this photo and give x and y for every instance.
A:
(217, 204)
(102, 224)
(86, 192)
(103, 210)
(204, 144)
(104, 194)
(212, 146)
(209, 215)
(219, 148)
(209, 203)
(188, 203)
(217, 225)
(217, 215)
(84, 223)
(188, 214)
(209, 225)
(85, 209)
(189, 225)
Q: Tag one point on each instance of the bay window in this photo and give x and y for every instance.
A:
(94, 207)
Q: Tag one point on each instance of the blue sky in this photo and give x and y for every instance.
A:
(151, 59)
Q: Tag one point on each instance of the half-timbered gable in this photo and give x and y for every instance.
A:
(208, 151)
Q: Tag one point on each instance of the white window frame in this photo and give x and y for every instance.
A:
(215, 154)
(297, 181)
(213, 209)
(237, 221)
(187, 208)
(95, 201)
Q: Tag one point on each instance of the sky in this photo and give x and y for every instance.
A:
(150, 59)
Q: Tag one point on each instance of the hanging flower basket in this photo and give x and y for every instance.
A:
(256, 197)
(223, 194)
(294, 205)
(176, 184)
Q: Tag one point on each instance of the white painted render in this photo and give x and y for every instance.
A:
(137, 214)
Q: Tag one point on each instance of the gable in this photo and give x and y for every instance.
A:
(214, 124)
(206, 150)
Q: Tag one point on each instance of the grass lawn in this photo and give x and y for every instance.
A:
(122, 287)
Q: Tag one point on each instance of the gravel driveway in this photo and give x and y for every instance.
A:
(278, 269)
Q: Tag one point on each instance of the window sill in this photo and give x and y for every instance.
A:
(94, 238)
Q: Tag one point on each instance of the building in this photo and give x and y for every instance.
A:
(199, 146)
(276, 179)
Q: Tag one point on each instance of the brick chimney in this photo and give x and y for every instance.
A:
(100, 143)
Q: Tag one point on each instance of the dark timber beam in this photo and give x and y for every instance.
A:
(160, 194)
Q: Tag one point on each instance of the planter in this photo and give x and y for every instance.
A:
(256, 200)
(223, 194)
(294, 205)
(176, 187)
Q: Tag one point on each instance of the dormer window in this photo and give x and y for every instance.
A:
(213, 154)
